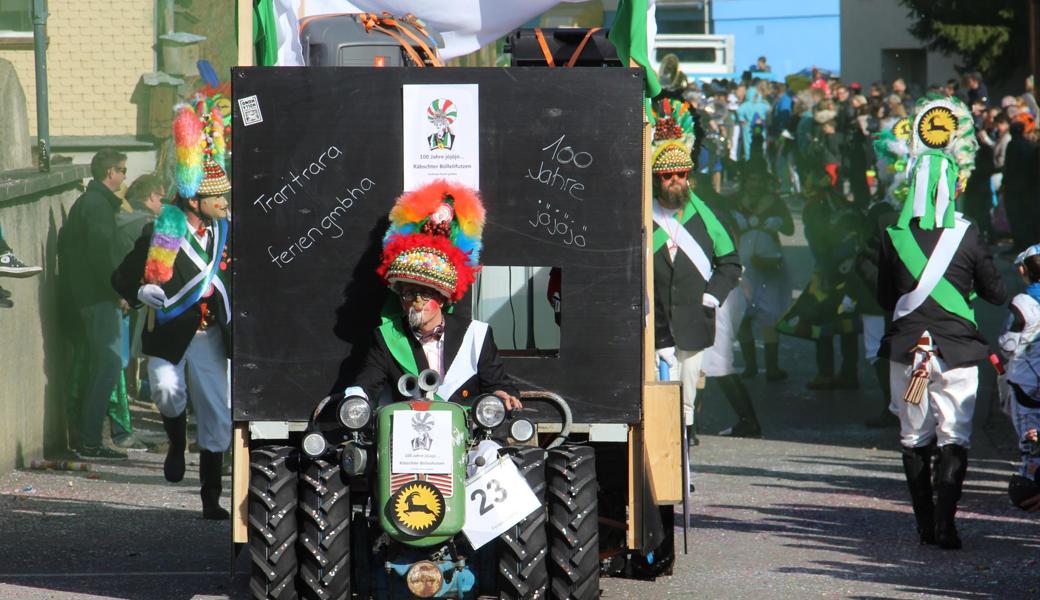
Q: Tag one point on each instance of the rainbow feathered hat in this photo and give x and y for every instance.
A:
(201, 151)
(434, 239)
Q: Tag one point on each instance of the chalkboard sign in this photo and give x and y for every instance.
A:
(317, 164)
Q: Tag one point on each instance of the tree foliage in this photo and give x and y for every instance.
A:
(990, 36)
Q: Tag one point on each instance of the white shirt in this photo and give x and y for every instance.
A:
(434, 351)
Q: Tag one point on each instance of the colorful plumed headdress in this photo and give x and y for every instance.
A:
(434, 239)
(673, 137)
(942, 156)
(201, 147)
(198, 136)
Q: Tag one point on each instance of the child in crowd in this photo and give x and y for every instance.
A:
(1021, 346)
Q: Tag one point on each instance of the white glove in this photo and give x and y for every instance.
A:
(847, 305)
(668, 356)
(152, 295)
(710, 301)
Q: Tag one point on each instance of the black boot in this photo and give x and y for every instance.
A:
(773, 370)
(739, 399)
(746, 338)
(917, 466)
(885, 418)
(953, 465)
(176, 431)
(210, 465)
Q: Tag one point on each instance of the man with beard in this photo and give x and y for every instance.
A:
(182, 260)
(695, 262)
(430, 257)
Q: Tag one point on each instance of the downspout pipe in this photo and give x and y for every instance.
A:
(43, 132)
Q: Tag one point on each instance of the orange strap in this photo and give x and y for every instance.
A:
(581, 46)
(389, 20)
(545, 47)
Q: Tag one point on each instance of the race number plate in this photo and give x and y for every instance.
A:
(496, 499)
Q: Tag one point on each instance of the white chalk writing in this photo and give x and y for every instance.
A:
(294, 183)
(328, 225)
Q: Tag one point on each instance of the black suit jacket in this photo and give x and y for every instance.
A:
(381, 370)
(170, 340)
(680, 317)
(972, 269)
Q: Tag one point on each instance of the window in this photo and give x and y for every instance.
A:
(522, 305)
(690, 55)
(16, 28)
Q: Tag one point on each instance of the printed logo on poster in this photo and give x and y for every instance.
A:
(250, 109)
(441, 114)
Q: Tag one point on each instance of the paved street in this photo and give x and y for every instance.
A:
(817, 509)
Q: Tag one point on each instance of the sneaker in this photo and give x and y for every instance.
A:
(100, 452)
(12, 267)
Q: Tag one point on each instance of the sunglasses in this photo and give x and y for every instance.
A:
(410, 295)
(669, 176)
(120, 169)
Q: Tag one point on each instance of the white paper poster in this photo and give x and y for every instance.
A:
(421, 442)
(441, 134)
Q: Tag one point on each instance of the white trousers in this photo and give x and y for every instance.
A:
(689, 375)
(945, 412)
(206, 379)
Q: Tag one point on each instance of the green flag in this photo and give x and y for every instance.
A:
(265, 33)
(628, 34)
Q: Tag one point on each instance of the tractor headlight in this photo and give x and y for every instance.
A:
(354, 412)
(424, 579)
(314, 444)
(521, 430)
(489, 411)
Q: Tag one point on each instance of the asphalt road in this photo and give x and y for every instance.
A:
(816, 509)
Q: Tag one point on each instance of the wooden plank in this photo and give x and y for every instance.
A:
(239, 482)
(635, 488)
(662, 441)
(245, 33)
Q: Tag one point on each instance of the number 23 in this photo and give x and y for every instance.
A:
(494, 487)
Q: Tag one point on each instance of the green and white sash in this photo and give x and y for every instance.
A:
(930, 271)
(463, 366)
(667, 224)
(209, 273)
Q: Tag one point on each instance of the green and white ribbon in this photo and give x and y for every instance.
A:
(933, 188)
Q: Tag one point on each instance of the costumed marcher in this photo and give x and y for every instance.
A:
(696, 265)
(833, 229)
(1021, 347)
(891, 149)
(431, 255)
(179, 268)
(761, 217)
(931, 263)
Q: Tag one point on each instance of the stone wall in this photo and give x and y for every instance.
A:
(33, 352)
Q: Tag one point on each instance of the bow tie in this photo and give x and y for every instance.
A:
(201, 231)
(436, 334)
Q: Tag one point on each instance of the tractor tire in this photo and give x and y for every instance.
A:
(324, 541)
(522, 550)
(573, 523)
(272, 522)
